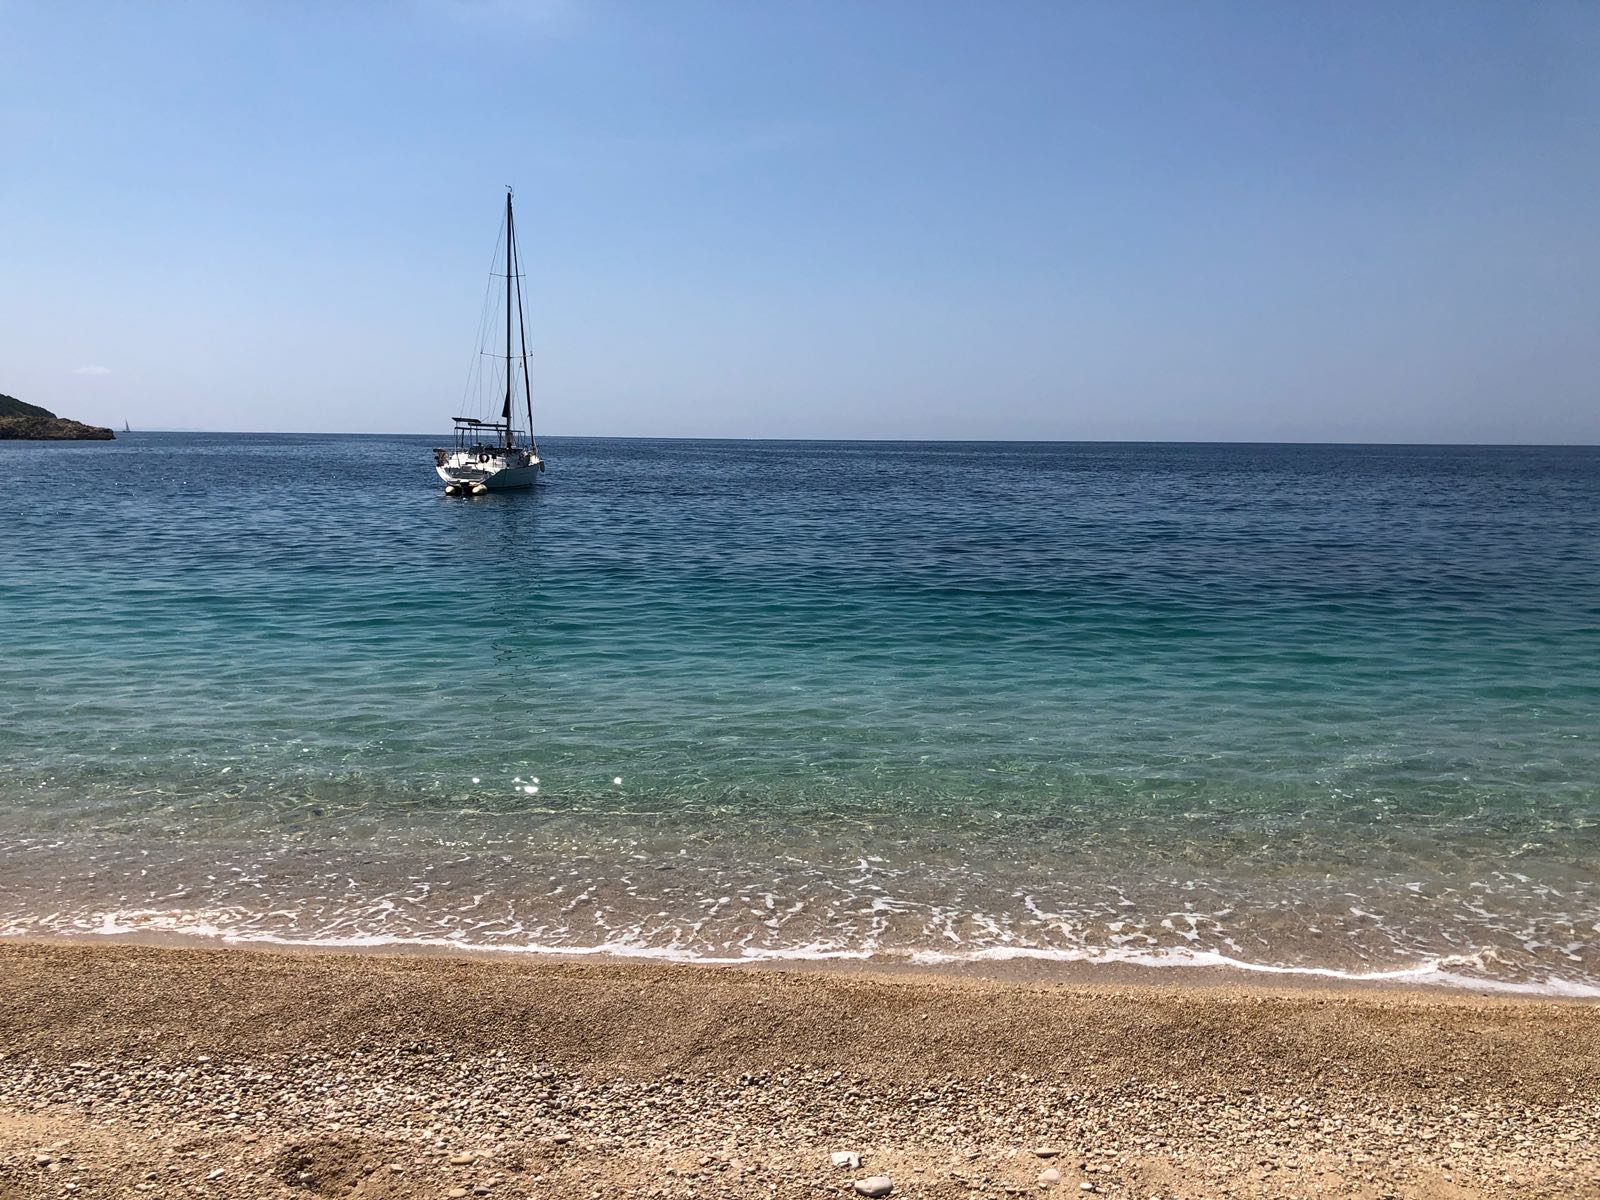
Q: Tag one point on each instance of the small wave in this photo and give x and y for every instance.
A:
(1432, 972)
(1450, 971)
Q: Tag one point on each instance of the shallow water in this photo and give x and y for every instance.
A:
(1310, 708)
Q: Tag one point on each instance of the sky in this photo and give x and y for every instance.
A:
(1191, 220)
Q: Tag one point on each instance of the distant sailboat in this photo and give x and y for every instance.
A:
(492, 455)
(125, 428)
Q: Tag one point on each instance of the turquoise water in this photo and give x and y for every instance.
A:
(1309, 708)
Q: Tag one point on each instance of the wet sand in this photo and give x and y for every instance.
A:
(133, 1070)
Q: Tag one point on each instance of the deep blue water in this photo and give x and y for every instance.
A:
(1311, 707)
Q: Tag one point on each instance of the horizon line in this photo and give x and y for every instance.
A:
(945, 441)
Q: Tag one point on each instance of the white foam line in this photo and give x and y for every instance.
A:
(1433, 972)
(614, 949)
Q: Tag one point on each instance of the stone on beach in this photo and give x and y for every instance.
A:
(340, 1108)
(874, 1185)
(845, 1158)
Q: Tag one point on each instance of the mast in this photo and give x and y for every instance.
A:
(506, 412)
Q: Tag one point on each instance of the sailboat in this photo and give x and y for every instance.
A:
(494, 455)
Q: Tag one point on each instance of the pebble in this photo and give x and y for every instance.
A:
(874, 1185)
(431, 1099)
(456, 1193)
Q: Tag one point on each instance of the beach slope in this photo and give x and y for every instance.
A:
(185, 1072)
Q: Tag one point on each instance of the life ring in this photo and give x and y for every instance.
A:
(483, 456)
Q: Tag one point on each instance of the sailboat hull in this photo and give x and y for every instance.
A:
(508, 480)
(513, 478)
(493, 472)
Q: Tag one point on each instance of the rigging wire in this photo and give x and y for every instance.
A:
(473, 392)
(522, 334)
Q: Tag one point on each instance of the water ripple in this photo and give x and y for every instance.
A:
(1319, 708)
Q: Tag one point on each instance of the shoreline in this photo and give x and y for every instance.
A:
(1022, 965)
(398, 1075)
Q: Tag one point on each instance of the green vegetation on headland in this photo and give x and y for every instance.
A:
(30, 422)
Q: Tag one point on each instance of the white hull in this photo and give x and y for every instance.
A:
(495, 473)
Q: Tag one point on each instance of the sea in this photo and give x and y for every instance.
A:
(1330, 711)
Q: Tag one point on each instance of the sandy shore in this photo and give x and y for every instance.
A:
(136, 1071)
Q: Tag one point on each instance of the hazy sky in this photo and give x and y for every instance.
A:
(1185, 220)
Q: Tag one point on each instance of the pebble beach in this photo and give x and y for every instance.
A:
(1007, 604)
(145, 1071)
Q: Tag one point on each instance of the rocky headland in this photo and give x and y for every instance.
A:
(30, 422)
